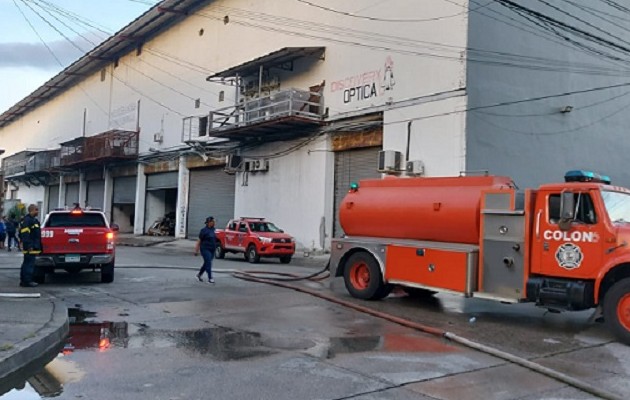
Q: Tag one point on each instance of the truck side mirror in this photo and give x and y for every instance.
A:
(115, 227)
(567, 210)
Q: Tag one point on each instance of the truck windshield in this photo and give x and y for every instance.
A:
(617, 205)
(263, 227)
(63, 220)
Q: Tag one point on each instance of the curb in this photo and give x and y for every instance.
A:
(35, 352)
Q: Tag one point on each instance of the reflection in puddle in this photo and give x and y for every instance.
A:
(391, 342)
(48, 382)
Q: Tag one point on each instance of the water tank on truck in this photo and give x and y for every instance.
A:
(432, 209)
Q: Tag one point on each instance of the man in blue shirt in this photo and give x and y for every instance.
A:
(206, 244)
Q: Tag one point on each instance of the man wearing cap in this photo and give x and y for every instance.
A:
(206, 244)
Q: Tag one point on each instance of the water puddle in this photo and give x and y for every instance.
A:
(218, 343)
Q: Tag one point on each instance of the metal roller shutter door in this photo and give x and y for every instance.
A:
(352, 166)
(95, 193)
(124, 190)
(167, 180)
(211, 193)
(72, 194)
(53, 197)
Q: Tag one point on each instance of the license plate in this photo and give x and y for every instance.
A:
(73, 258)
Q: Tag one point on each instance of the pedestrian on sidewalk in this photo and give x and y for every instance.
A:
(3, 232)
(11, 232)
(31, 238)
(206, 244)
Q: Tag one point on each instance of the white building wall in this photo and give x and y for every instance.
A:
(368, 66)
(292, 194)
(439, 141)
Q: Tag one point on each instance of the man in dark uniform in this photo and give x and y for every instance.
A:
(31, 237)
(206, 244)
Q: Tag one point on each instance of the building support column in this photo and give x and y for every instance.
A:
(82, 190)
(141, 189)
(108, 192)
(183, 182)
(62, 192)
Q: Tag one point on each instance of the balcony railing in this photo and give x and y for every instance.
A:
(280, 106)
(106, 146)
(30, 162)
(43, 161)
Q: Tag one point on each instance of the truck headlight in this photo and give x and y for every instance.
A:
(264, 239)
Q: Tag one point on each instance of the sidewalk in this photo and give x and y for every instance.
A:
(32, 331)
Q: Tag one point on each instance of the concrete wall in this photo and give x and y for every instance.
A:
(533, 141)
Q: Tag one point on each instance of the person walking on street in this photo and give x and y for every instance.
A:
(206, 244)
(3, 233)
(11, 232)
(31, 238)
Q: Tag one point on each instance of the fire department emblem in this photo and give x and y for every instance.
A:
(569, 256)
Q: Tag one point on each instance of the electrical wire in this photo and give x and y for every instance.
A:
(376, 19)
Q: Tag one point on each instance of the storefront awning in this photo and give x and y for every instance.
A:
(279, 59)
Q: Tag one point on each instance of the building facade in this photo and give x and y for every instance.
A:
(272, 108)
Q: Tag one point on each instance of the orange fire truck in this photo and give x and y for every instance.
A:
(563, 246)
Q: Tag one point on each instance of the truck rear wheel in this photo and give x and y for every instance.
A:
(218, 252)
(617, 310)
(107, 273)
(363, 278)
(39, 275)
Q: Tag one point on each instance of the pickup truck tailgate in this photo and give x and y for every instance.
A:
(75, 240)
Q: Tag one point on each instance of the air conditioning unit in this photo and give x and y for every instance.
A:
(158, 137)
(389, 161)
(233, 162)
(259, 165)
(415, 168)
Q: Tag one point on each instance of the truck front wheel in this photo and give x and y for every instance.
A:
(617, 310)
(252, 254)
(363, 278)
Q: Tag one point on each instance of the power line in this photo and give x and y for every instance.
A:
(553, 133)
(348, 14)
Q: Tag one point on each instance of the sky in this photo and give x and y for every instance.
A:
(27, 38)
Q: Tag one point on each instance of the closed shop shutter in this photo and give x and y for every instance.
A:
(72, 194)
(352, 166)
(53, 197)
(167, 180)
(95, 193)
(211, 193)
(124, 190)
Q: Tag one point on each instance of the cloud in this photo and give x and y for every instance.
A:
(36, 55)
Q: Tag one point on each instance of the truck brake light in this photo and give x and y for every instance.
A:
(109, 235)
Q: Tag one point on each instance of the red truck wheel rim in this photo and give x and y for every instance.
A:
(360, 275)
(623, 311)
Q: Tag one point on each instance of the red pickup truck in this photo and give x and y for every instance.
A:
(74, 240)
(255, 238)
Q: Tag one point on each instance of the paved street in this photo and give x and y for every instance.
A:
(157, 333)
